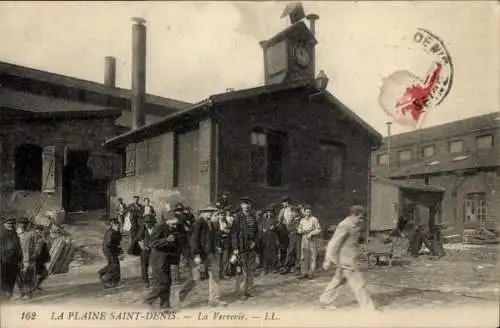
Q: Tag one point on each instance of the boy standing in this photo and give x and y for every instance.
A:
(110, 275)
(309, 228)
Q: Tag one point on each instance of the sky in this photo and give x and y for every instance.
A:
(196, 49)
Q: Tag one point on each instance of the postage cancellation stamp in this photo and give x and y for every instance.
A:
(249, 164)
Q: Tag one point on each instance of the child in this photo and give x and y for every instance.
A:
(42, 257)
(110, 274)
(309, 228)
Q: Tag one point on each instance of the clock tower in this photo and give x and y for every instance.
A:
(290, 55)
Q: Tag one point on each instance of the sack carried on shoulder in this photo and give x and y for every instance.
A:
(126, 223)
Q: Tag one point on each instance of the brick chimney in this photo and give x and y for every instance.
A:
(138, 72)
(110, 71)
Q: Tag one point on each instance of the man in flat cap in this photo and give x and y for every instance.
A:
(245, 235)
(11, 257)
(343, 251)
(206, 252)
(164, 245)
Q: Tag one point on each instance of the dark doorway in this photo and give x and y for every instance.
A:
(29, 167)
(77, 181)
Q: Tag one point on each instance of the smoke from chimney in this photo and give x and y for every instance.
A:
(138, 72)
(110, 71)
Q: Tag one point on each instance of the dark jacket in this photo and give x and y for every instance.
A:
(10, 247)
(111, 242)
(204, 238)
(145, 236)
(162, 250)
(239, 233)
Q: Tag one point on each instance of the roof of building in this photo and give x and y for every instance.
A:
(476, 159)
(456, 128)
(406, 185)
(158, 126)
(39, 104)
(168, 104)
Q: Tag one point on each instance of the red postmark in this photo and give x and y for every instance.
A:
(406, 97)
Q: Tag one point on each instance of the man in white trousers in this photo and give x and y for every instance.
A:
(343, 251)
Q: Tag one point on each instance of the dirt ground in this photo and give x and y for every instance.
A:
(423, 289)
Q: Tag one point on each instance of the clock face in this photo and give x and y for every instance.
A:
(302, 56)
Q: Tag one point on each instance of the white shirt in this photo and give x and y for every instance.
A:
(287, 215)
(309, 224)
(147, 209)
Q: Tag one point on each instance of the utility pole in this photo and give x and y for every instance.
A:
(388, 146)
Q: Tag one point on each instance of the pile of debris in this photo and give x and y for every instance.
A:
(480, 236)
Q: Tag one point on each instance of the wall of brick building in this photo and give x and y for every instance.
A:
(154, 175)
(75, 134)
(457, 187)
(305, 122)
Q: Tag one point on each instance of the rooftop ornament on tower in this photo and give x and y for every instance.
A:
(295, 11)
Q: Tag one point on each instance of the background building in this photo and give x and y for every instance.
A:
(51, 132)
(461, 157)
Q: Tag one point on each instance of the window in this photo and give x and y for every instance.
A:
(382, 159)
(29, 168)
(332, 157)
(456, 146)
(428, 151)
(474, 209)
(258, 156)
(266, 156)
(404, 155)
(130, 160)
(483, 142)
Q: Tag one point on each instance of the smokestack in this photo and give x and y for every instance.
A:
(110, 71)
(312, 18)
(138, 72)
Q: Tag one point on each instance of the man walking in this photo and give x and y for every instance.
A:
(245, 238)
(164, 252)
(342, 249)
(206, 251)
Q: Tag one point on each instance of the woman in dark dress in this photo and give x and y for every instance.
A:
(270, 241)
